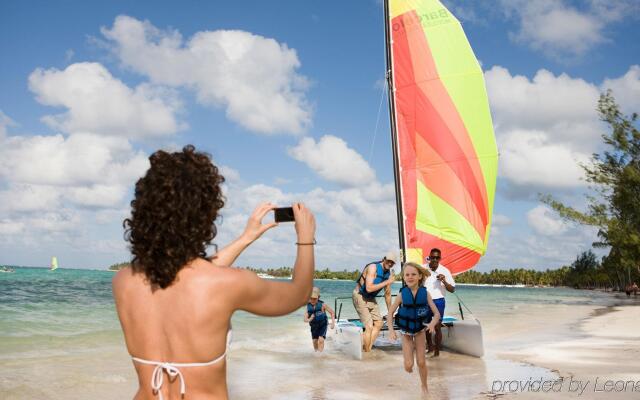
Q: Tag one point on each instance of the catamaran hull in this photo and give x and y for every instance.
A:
(348, 338)
(463, 337)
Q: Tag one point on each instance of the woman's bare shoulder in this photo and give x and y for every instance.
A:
(216, 274)
(122, 277)
(126, 281)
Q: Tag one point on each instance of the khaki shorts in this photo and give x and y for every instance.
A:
(367, 310)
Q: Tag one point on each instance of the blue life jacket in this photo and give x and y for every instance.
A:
(381, 275)
(413, 311)
(320, 316)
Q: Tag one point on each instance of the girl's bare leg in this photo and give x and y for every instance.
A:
(420, 344)
(407, 351)
(315, 344)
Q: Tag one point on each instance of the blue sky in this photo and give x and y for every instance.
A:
(285, 97)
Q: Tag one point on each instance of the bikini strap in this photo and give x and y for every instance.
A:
(173, 370)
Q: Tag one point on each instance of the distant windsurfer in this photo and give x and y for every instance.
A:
(439, 280)
(374, 277)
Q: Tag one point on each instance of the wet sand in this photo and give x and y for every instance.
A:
(600, 359)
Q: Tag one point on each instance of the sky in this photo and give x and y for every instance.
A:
(288, 98)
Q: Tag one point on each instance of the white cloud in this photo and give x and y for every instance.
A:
(548, 124)
(355, 224)
(5, 122)
(60, 221)
(98, 195)
(611, 11)
(626, 89)
(230, 174)
(49, 180)
(110, 215)
(563, 31)
(25, 198)
(253, 78)
(10, 228)
(80, 159)
(101, 104)
(530, 158)
(544, 127)
(514, 248)
(545, 221)
(500, 220)
(562, 106)
(333, 160)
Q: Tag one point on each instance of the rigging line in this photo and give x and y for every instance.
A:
(375, 131)
(462, 302)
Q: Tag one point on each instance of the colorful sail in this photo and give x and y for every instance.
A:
(54, 263)
(445, 144)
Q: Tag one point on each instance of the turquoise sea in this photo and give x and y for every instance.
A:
(59, 332)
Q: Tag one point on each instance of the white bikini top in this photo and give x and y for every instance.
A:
(173, 370)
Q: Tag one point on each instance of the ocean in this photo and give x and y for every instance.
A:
(60, 338)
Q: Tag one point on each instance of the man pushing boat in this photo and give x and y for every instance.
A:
(374, 277)
(438, 282)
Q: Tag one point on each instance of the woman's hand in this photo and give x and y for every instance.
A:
(392, 334)
(305, 223)
(255, 228)
(431, 327)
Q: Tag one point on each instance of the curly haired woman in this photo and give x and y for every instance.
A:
(174, 304)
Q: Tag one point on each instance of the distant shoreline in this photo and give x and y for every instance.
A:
(265, 275)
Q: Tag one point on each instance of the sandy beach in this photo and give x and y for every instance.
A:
(600, 359)
(61, 340)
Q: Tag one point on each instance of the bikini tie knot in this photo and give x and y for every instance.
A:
(157, 378)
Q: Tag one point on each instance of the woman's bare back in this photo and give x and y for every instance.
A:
(184, 323)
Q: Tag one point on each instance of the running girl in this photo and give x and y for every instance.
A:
(413, 301)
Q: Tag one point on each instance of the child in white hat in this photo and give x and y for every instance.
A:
(316, 316)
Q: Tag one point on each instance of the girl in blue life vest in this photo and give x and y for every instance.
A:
(316, 316)
(413, 301)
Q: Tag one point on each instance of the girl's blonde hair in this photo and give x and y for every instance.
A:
(419, 268)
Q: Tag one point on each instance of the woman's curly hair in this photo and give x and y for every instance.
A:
(173, 213)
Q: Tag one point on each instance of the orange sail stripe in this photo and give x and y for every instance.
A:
(457, 258)
(422, 117)
(425, 75)
(438, 177)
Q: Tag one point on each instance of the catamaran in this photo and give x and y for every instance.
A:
(444, 152)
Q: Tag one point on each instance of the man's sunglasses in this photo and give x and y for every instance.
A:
(433, 258)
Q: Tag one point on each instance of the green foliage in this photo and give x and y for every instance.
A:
(286, 272)
(585, 262)
(519, 276)
(585, 273)
(615, 177)
(282, 272)
(118, 267)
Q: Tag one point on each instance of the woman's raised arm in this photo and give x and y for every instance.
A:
(272, 298)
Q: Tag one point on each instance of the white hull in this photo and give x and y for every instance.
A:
(348, 338)
(460, 336)
(464, 337)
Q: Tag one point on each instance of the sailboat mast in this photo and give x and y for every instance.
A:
(394, 131)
